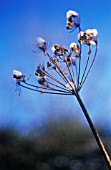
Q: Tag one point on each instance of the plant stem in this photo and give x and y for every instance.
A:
(94, 131)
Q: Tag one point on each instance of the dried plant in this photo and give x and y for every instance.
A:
(61, 74)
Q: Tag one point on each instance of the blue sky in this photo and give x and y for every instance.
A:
(24, 20)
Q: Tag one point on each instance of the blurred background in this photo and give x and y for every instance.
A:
(39, 131)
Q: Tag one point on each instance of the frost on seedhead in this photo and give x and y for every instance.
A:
(74, 47)
(92, 32)
(71, 13)
(17, 74)
(73, 20)
(41, 44)
(56, 47)
(89, 37)
(40, 41)
(58, 50)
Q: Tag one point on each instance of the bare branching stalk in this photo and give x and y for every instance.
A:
(68, 79)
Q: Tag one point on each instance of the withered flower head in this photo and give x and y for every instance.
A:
(42, 45)
(89, 37)
(40, 71)
(71, 13)
(70, 60)
(42, 81)
(92, 32)
(73, 19)
(58, 50)
(18, 75)
(74, 47)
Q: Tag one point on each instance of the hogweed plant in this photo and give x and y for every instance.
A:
(61, 74)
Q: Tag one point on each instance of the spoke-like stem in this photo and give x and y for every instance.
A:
(71, 75)
(79, 68)
(79, 28)
(61, 72)
(76, 70)
(95, 133)
(64, 76)
(61, 76)
(89, 67)
(48, 92)
(53, 78)
(86, 65)
(38, 87)
(58, 86)
(46, 88)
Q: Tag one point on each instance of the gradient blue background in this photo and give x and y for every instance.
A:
(21, 21)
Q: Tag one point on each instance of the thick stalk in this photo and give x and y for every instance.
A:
(95, 133)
